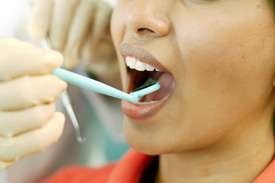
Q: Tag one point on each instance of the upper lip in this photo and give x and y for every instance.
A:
(141, 55)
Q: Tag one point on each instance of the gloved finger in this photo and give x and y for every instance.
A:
(18, 58)
(15, 122)
(4, 165)
(90, 54)
(28, 91)
(37, 140)
(103, 70)
(87, 54)
(79, 30)
(99, 30)
(62, 15)
(101, 25)
(40, 20)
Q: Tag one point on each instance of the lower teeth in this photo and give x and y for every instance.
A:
(144, 103)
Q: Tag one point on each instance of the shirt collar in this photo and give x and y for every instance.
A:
(268, 175)
(133, 163)
(130, 167)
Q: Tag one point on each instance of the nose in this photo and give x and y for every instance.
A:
(148, 17)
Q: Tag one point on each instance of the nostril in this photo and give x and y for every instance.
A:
(144, 30)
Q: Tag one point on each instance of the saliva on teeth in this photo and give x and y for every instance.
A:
(133, 63)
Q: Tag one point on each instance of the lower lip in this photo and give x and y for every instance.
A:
(142, 111)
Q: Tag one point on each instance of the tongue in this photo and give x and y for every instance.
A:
(167, 86)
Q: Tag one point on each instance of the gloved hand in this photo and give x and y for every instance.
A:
(28, 121)
(80, 30)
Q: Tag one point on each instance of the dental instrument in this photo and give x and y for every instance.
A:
(99, 87)
(67, 103)
(65, 99)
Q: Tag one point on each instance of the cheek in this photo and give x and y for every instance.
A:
(224, 55)
(228, 68)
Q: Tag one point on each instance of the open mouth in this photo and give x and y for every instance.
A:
(144, 69)
(142, 75)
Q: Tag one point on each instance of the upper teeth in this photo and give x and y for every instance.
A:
(140, 66)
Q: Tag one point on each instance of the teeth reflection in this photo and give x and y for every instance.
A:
(140, 66)
(132, 63)
(127, 62)
(149, 68)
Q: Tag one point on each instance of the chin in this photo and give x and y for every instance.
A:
(157, 140)
(144, 141)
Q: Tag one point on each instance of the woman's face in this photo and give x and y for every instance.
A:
(218, 63)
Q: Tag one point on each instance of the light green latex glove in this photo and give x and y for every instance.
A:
(80, 30)
(28, 121)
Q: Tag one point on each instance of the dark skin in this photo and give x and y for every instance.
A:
(220, 115)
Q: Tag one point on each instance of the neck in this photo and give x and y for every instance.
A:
(239, 158)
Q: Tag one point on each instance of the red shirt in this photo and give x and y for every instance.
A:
(128, 170)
